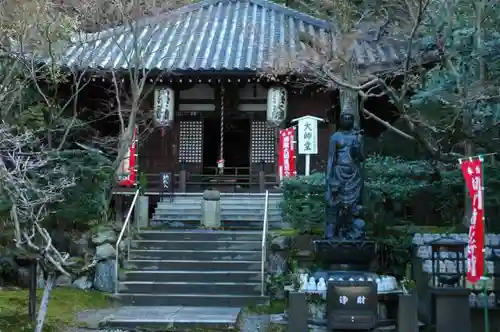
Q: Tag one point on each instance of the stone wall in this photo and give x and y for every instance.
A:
(97, 246)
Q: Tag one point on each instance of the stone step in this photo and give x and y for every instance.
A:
(200, 235)
(250, 202)
(224, 209)
(174, 318)
(226, 224)
(224, 217)
(177, 216)
(190, 276)
(178, 207)
(197, 265)
(211, 288)
(215, 255)
(197, 245)
(162, 209)
(249, 217)
(176, 224)
(243, 207)
(199, 300)
(251, 212)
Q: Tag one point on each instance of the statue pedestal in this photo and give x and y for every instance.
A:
(346, 255)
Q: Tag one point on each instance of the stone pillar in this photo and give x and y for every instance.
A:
(451, 309)
(210, 210)
(141, 212)
(407, 313)
(297, 312)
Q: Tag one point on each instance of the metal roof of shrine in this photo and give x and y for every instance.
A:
(215, 35)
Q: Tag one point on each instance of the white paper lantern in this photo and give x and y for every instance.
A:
(163, 107)
(277, 102)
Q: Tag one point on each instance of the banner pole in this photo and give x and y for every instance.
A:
(485, 270)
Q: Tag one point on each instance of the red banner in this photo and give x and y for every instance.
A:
(286, 155)
(472, 172)
(127, 174)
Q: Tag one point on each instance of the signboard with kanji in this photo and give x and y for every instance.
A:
(308, 135)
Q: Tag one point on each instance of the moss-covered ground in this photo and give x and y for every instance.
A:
(64, 304)
(275, 307)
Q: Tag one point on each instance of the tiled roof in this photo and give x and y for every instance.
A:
(242, 35)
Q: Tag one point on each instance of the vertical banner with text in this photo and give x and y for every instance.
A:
(473, 175)
(286, 153)
(127, 174)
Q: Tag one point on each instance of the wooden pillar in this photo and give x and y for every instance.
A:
(276, 153)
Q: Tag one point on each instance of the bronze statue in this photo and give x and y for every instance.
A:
(344, 182)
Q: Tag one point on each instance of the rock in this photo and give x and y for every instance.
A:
(105, 251)
(124, 244)
(82, 283)
(104, 278)
(280, 243)
(63, 281)
(61, 239)
(80, 247)
(104, 235)
(277, 264)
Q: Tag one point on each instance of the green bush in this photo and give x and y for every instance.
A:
(304, 202)
(397, 192)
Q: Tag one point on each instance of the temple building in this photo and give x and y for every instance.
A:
(209, 65)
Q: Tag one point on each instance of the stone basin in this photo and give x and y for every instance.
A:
(316, 302)
(317, 299)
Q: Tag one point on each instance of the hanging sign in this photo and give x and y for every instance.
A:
(286, 154)
(472, 172)
(127, 174)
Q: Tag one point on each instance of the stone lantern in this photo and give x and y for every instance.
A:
(450, 307)
(448, 262)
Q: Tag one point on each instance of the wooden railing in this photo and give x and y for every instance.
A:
(233, 179)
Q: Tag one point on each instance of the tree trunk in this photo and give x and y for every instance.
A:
(44, 304)
(32, 290)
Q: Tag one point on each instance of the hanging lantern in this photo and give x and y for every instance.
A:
(163, 107)
(277, 102)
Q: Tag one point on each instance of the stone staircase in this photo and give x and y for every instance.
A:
(238, 211)
(199, 268)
